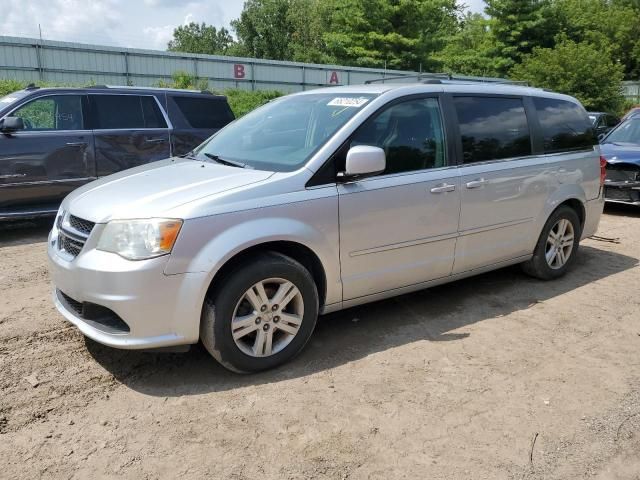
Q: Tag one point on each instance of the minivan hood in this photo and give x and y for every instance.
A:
(618, 153)
(153, 189)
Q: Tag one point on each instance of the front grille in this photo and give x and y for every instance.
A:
(81, 225)
(73, 233)
(70, 245)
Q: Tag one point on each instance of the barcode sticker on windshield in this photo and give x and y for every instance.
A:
(8, 99)
(348, 102)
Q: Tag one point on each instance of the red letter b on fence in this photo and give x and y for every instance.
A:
(238, 70)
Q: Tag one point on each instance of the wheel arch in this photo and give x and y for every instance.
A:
(295, 250)
(577, 206)
(571, 195)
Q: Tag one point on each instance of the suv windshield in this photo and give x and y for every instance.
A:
(11, 98)
(627, 132)
(283, 134)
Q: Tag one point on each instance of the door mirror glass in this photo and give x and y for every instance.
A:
(11, 124)
(364, 160)
(601, 137)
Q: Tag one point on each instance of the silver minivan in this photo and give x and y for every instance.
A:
(320, 201)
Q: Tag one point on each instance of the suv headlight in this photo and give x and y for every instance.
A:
(140, 239)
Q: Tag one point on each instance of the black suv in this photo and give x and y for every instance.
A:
(52, 140)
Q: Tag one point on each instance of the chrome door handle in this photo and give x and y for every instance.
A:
(76, 144)
(155, 140)
(477, 183)
(14, 175)
(443, 187)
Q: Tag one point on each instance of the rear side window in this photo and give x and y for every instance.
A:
(126, 111)
(565, 126)
(492, 128)
(203, 112)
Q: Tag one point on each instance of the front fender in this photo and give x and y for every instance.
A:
(206, 244)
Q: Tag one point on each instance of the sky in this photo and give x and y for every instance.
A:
(128, 23)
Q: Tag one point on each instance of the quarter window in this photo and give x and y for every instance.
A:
(612, 121)
(410, 133)
(204, 112)
(56, 112)
(565, 126)
(492, 128)
(127, 111)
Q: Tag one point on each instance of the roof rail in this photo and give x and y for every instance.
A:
(445, 78)
(129, 87)
(417, 77)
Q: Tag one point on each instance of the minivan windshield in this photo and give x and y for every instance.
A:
(282, 135)
(626, 133)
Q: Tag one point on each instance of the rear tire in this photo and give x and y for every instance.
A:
(557, 246)
(261, 314)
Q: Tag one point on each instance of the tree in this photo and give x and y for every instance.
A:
(519, 26)
(471, 50)
(609, 24)
(307, 44)
(264, 30)
(582, 69)
(401, 34)
(281, 30)
(200, 38)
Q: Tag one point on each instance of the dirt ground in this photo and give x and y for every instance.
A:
(494, 377)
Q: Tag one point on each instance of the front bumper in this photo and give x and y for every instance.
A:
(622, 192)
(157, 310)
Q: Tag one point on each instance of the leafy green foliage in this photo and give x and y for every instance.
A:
(281, 30)
(609, 24)
(264, 29)
(401, 34)
(185, 80)
(471, 50)
(579, 69)
(243, 101)
(200, 38)
(9, 86)
(519, 26)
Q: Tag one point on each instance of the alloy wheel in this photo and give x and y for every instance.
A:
(267, 317)
(559, 244)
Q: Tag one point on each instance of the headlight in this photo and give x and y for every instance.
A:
(59, 217)
(140, 239)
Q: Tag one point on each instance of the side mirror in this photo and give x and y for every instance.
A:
(11, 124)
(363, 161)
(601, 136)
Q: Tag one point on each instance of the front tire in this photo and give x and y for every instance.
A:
(557, 246)
(261, 314)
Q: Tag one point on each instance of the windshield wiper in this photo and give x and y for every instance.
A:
(224, 161)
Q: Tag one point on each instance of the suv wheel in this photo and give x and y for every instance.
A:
(261, 315)
(557, 246)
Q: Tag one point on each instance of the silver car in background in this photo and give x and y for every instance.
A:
(321, 201)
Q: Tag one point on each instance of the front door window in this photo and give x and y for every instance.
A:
(55, 112)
